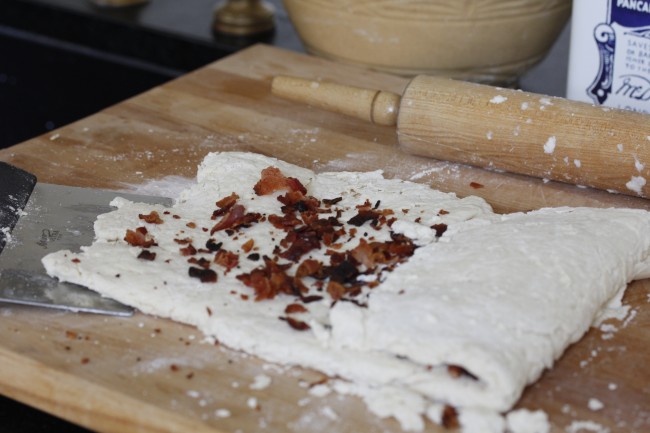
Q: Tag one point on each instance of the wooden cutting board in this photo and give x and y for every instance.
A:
(151, 375)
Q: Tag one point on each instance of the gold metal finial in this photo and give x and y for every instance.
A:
(243, 17)
(118, 3)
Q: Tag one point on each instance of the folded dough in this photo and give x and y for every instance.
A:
(466, 322)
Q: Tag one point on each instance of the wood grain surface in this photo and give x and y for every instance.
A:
(145, 374)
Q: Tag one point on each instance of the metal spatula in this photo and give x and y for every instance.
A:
(37, 219)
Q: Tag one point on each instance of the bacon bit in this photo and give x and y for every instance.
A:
(440, 229)
(300, 241)
(296, 201)
(236, 218)
(166, 212)
(450, 417)
(224, 205)
(366, 213)
(476, 185)
(362, 216)
(270, 280)
(273, 180)
(191, 225)
(183, 241)
(202, 262)
(226, 259)
(204, 275)
(310, 268)
(188, 250)
(295, 309)
(298, 325)
(253, 257)
(147, 255)
(152, 218)
(311, 298)
(342, 270)
(391, 252)
(248, 245)
(139, 237)
(75, 260)
(457, 371)
(227, 202)
(286, 222)
(209, 310)
(213, 245)
(333, 201)
(443, 212)
(335, 290)
(244, 297)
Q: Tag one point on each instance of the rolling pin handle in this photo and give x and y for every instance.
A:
(373, 106)
(385, 108)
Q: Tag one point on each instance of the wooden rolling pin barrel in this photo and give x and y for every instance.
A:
(500, 129)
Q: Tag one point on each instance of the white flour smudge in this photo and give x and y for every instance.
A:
(549, 147)
(169, 186)
(636, 184)
(586, 426)
(499, 99)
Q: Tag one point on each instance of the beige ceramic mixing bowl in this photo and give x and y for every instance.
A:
(492, 41)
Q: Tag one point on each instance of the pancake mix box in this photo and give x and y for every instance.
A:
(610, 53)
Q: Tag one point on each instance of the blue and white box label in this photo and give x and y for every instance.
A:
(610, 53)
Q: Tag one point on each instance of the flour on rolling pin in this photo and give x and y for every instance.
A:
(499, 129)
(610, 53)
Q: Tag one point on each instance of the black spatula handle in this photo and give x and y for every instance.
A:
(16, 186)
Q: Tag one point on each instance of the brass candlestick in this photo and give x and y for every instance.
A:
(243, 17)
(118, 3)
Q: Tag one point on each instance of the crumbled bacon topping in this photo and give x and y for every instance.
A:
(440, 229)
(227, 259)
(273, 180)
(298, 325)
(368, 213)
(204, 275)
(235, 218)
(213, 245)
(456, 371)
(152, 218)
(224, 205)
(147, 255)
(188, 250)
(270, 280)
(295, 309)
(139, 237)
(248, 245)
(450, 417)
(202, 262)
(308, 224)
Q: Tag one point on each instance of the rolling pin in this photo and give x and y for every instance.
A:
(499, 129)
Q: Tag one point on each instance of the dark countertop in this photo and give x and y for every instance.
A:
(66, 59)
